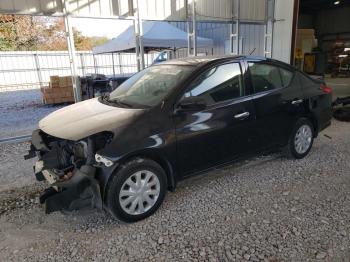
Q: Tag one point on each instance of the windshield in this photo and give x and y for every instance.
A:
(150, 86)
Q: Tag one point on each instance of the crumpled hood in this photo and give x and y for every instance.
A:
(86, 118)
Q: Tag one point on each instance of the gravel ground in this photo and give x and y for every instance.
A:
(20, 112)
(14, 171)
(269, 208)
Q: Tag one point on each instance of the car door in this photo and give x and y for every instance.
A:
(221, 131)
(278, 101)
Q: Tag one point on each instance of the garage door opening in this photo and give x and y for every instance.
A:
(323, 37)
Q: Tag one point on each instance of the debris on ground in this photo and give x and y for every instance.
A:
(342, 109)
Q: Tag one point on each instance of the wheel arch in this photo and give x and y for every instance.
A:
(152, 155)
(314, 121)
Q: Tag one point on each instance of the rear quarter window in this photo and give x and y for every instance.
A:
(286, 76)
(268, 76)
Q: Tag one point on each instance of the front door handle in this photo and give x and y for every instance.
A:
(242, 115)
(296, 102)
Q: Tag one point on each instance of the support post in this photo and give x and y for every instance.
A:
(294, 31)
(120, 64)
(191, 31)
(37, 65)
(234, 28)
(139, 38)
(113, 64)
(189, 34)
(269, 26)
(72, 54)
(95, 63)
(194, 27)
(82, 62)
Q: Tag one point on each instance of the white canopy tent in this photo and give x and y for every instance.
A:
(156, 35)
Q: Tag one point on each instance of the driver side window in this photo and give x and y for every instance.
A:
(220, 83)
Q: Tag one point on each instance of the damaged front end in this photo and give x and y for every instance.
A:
(70, 169)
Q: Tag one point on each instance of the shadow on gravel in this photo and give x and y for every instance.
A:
(235, 167)
(24, 197)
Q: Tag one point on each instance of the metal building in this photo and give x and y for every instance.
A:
(260, 27)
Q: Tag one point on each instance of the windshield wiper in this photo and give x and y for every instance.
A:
(105, 97)
(119, 102)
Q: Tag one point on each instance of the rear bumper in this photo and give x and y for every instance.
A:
(69, 189)
(321, 110)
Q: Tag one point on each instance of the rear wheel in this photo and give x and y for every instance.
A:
(301, 139)
(136, 190)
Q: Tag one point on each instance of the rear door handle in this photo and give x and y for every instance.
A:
(242, 115)
(298, 101)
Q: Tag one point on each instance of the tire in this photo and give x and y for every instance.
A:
(342, 114)
(303, 132)
(139, 183)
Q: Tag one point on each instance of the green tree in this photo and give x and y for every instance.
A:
(27, 33)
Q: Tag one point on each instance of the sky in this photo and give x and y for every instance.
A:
(109, 28)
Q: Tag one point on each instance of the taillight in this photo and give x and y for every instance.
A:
(326, 89)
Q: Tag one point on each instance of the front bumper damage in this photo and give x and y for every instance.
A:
(70, 170)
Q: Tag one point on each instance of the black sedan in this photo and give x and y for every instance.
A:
(123, 151)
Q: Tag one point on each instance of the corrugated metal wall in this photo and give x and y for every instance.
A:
(163, 9)
(214, 10)
(251, 36)
(175, 10)
(252, 39)
(250, 10)
(31, 6)
(253, 10)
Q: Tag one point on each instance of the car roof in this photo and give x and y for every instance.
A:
(201, 60)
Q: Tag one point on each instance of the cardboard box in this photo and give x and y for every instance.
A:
(54, 81)
(52, 85)
(48, 101)
(68, 99)
(60, 90)
(62, 82)
(68, 80)
(65, 81)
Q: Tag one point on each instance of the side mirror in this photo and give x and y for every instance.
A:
(192, 103)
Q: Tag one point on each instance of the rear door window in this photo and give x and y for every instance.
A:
(267, 77)
(286, 77)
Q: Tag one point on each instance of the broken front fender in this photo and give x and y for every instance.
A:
(69, 169)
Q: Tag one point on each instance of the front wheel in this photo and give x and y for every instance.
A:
(137, 190)
(301, 139)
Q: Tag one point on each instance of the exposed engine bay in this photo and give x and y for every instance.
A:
(70, 169)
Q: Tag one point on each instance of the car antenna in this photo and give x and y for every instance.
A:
(251, 52)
